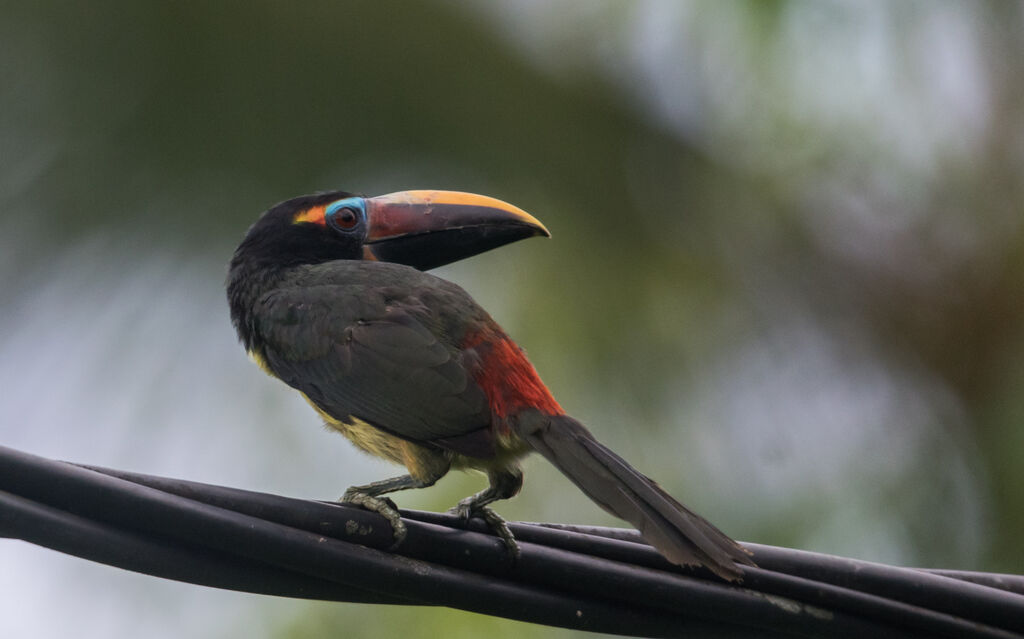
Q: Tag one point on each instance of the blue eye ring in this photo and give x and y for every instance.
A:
(346, 215)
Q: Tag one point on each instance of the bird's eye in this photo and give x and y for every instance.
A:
(345, 218)
(346, 215)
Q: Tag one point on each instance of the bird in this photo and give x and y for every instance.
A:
(329, 293)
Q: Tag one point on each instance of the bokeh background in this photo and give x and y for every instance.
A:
(786, 277)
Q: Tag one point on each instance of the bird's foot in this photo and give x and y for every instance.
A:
(383, 506)
(466, 510)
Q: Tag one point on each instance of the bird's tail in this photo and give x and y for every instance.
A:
(679, 534)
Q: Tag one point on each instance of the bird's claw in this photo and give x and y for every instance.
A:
(384, 507)
(466, 510)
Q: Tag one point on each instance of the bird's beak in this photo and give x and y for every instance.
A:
(427, 229)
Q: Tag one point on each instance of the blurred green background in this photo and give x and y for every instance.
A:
(786, 276)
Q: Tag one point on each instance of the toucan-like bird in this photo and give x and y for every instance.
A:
(328, 293)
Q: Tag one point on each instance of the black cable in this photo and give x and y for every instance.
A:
(914, 602)
(973, 595)
(89, 539)
(582, 578)
(1009, 583)
(384, 577)
(541, 566)
(795, 560)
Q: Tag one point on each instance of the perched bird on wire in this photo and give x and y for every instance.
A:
(328, 294)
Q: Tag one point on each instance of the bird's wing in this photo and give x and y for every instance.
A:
(371, 353)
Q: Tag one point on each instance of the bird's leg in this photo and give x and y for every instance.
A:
(505, 483)
(369, 497)
(425, 467)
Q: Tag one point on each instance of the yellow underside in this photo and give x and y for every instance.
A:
(420, 461)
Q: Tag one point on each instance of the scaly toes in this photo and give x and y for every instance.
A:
(466, 510)
(500, 527)
(383, 507)
(463, 510)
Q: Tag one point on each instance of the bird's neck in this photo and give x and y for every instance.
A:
(248, 282)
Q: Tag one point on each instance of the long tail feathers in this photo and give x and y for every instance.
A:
(679, 534)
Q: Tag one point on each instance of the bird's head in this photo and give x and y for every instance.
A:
(422, 229)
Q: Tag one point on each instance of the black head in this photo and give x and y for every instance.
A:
(297, 231)
(422, 229)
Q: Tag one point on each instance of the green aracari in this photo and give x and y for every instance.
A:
(328, 293)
